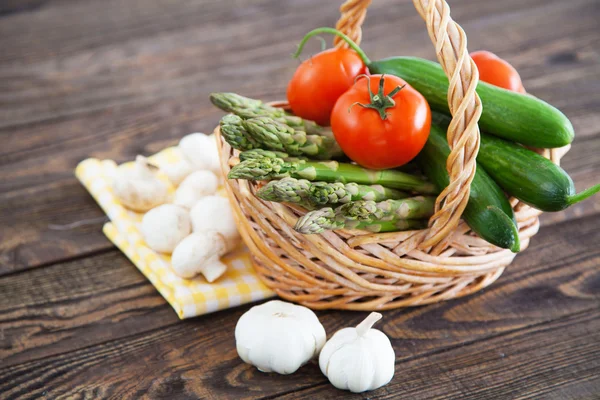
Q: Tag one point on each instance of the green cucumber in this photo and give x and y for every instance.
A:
(517, 117)
(525, 174)
(528, 176)
(488, 211)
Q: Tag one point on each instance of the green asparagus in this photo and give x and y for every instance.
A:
(251, 108)
(280, 137)
(318, 194)
(235, 134)
(260, 153)
(265, 168)
(361, 213)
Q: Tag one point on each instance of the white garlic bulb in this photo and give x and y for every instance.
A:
(278, 337)
(358, 359)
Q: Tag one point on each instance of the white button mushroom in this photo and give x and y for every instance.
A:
(197, 185)
(165, 226)
(199, 254)
(214, 213)
(358, 359)
(201, 150)
(178, 171)
(215, 234)
(278, 337)
(139, 188)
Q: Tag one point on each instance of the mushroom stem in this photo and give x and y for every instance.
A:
(367, 323)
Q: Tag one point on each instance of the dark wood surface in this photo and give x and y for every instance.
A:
(121, 77)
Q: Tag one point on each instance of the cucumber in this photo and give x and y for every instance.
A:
(513, 116)
(488, 211)
(528, 176)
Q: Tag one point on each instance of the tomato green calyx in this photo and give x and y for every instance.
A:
(379, 101)
(332, 31)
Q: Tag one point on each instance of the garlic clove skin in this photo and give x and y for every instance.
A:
(179, 171)
(199, 254)
(215, 213)
(279, 337)
(165, 226)
(201, 150)
(138, 188)
(358, 359)
(196, 186)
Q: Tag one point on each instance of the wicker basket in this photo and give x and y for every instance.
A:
(357, 270)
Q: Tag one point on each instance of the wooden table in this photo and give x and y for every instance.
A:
(113, 79)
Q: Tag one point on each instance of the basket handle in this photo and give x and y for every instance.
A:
(450, 43)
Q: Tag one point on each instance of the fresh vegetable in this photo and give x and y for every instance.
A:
(165, 226)
(497, 72)
(139, 188)
(315, 194)
(260, 153)
(361, 213)
(177, 172)
(513, 116)
(528, 176)
(488, 211)
(199, 253)
(277, 136)
(260, 169)
(266, 133)
(214, 213)
(245, 108)
(215, 234)
(319, 81)
(197, 185)
(381, 130)
(279, 337)
(358, 359)
(233, 132)
(201, 150)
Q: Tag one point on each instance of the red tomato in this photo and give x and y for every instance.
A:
(320, 81)
(389, 129)
(496, 71)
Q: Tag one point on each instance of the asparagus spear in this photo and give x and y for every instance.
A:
(235, 134)
(251, 108)
(277, 136)
(260, 153)
(287, 190)
(265, 168)
(291, 190)
(363, 213)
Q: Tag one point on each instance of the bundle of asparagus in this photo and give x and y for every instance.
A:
(385, 216)
(278, 147)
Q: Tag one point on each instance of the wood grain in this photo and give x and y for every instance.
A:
(116, 78)
(556, 279)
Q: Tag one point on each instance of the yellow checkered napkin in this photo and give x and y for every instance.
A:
(189, 297)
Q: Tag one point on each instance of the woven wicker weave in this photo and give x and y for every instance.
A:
(357, 270)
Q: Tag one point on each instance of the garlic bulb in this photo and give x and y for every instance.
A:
(278, 337)
(165, 226)
(358, 359)
(138, 188)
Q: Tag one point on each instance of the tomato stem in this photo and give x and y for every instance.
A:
(379, 101)
(332, 31)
